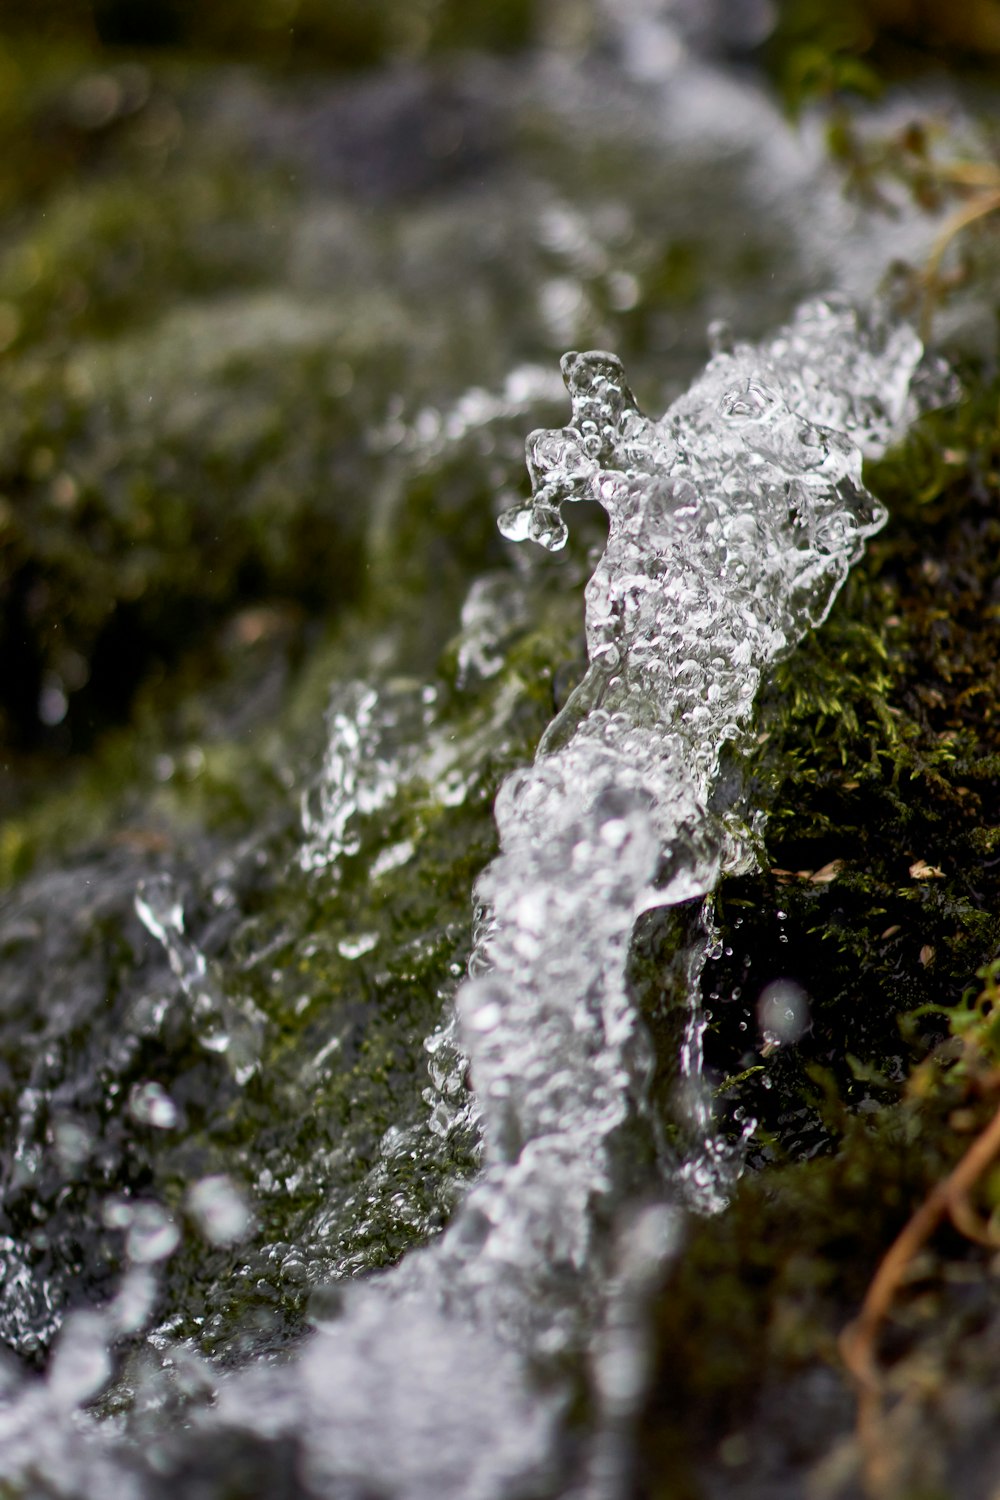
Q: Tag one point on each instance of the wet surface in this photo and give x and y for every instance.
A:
(274, 660)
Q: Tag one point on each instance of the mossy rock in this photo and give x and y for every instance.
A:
(879, 899)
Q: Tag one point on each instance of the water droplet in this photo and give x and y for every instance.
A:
(81, 1361)
(218, 1209)
(783, 1011)
(357, 945)
(150, 1104)
(152, 1235)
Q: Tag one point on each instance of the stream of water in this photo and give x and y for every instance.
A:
(462, 1371)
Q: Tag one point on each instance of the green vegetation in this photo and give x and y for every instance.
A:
(881, 896)
(821, 49)
(307, 33)
(215, 501)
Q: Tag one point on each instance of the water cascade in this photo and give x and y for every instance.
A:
(733, 521)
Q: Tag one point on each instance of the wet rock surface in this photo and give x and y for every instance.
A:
(271, 345)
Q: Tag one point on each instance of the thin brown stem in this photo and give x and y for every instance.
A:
(977, 208)
(859, 1341)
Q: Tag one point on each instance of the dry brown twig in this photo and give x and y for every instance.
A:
(859, 1341)
(985, 180)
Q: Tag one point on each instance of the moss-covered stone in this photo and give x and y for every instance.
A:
(240, 460)
(879, 899)
(880, 894)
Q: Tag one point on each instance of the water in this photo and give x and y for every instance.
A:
(233, 1029)
(732, 522)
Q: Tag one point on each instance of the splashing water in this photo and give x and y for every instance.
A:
(372, 749)
(732, 523)
(222, 1025)
(360, 773)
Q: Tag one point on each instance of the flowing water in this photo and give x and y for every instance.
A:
(463, 1370)
(330, 1168)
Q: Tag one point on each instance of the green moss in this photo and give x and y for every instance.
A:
(334, 1196)
(145, 565)
(343, 1059)
(212, 509)
(879, 896)
(878, 761)
(821, 48)
(105, 254)
(337, 33)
